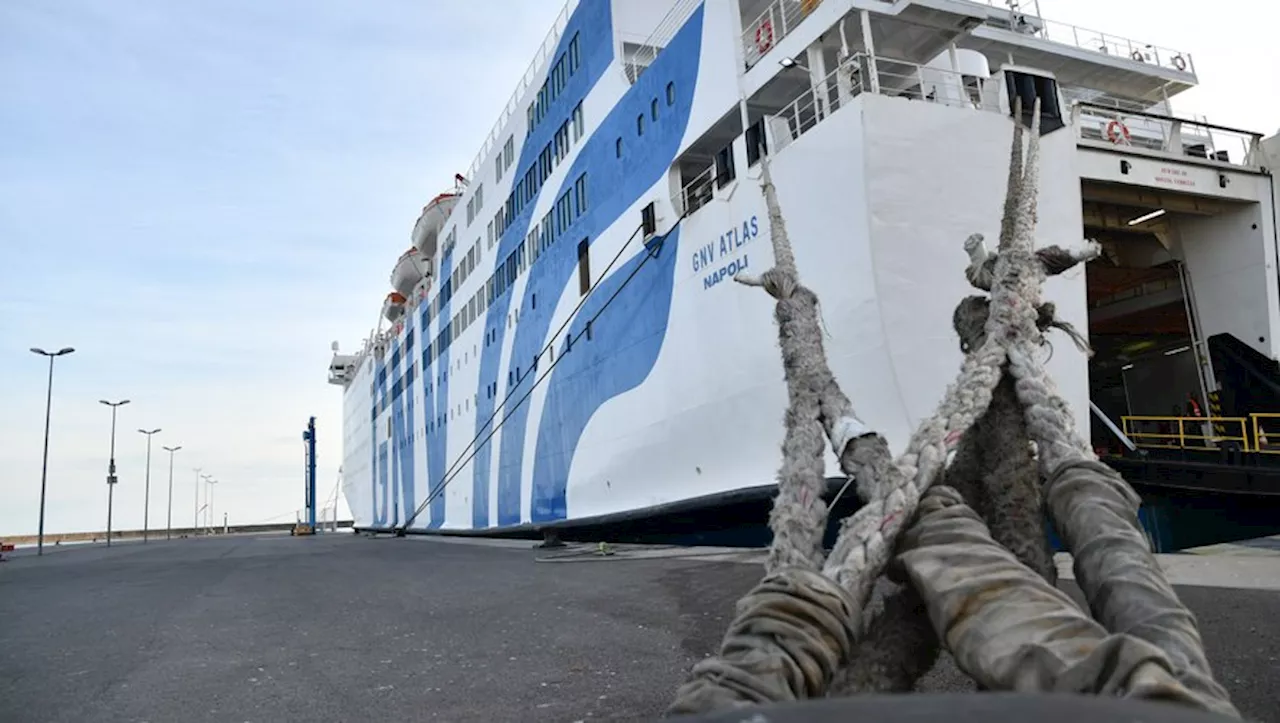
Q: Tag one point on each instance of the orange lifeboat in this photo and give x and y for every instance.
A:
(426, 232)
(393, 306)
(412, 267)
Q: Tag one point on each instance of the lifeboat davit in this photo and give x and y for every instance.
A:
(393, 307)
(426, 232)
(412, 267)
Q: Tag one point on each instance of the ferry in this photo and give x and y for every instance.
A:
(562, 344)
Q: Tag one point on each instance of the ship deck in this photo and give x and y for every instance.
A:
(341, 627)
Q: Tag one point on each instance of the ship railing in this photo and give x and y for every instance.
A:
(1190, 433)
(861, 73)
(850, 79)
(1180, 137)
(1104, 43)
(659, 38)
(776, 22)
(696, 193)
(1266, 432)
(531, 75)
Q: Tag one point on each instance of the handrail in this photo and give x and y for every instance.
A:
(658, 39)
(531, 73)
(1175, 136)
(897, 78)
(1262, 444)
(1108, 44)
(1184, 438)
(1159, 117)
(775, 23)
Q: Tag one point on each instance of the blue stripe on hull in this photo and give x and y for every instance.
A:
(621, 351)
(645, 160)
(592, 22)
(435, 380)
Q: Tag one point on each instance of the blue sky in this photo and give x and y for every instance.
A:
(201, 196)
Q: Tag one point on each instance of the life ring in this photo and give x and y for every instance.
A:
(1138, 56)
(1117, 132)
(1179, 62)
(764, 36)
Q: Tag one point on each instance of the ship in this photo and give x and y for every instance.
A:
(563, 344)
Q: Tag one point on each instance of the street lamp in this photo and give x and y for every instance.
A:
(195, 518)
(208, 513)
(146, 499)
(206, 478)
(44, 466)
(111, 465)
(168, 525)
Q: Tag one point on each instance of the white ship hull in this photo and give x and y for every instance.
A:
(676, 392)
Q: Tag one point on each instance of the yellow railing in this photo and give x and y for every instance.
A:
(1266, 432)
(1258, 432)
(1203, 433)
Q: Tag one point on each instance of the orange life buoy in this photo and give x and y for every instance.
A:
(1117, 132)
(764, 36)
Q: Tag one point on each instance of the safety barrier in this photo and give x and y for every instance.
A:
(1189, 433)
(1179, 137)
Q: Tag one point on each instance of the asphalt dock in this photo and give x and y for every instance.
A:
(342, 627)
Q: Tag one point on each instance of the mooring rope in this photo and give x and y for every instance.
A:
(984, 590)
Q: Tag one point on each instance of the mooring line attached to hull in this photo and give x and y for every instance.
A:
(473, 448)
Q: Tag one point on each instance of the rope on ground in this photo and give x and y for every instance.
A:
(985, 591)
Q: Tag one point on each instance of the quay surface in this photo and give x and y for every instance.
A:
(342, 627)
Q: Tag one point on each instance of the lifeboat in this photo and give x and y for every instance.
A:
(426, 232)
(412, 267)
(393, 307)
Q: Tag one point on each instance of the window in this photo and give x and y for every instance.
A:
(617, 147)
(653, 108)
(497, 169)
(580, 192)
(562, 142)
(490, 234)
(579, 125)
(574, 60)
(509, 151)
(584, 267)
(671, 93)
(640, 124)
(724, 166)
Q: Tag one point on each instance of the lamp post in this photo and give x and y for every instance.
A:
(111, 464)
(206, 478)
(208, 513)
(146, 499)
(195, 517)
(168, 525)
(44, 466)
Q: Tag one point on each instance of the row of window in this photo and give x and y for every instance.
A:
(475, 203)
(653, 114)
(567, 210)
(570, 133)
(564, 68)
(505, 158)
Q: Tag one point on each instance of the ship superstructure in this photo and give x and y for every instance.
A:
(563, 341)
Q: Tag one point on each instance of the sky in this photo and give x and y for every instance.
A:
(200, 197)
